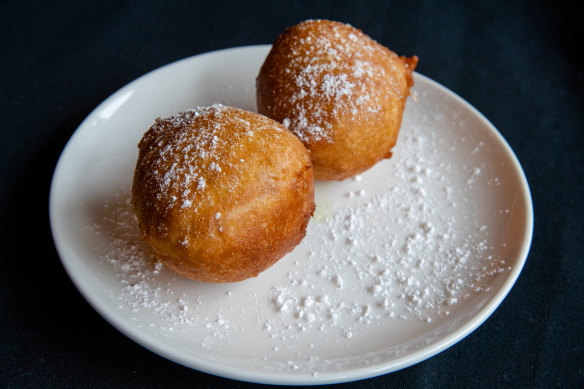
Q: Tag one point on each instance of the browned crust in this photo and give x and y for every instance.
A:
(254, 207)
(359, 111)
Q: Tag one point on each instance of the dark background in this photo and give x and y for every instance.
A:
(516, 62)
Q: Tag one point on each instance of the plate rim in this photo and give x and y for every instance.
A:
(282, 378)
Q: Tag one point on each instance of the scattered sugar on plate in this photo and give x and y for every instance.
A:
(410, 248)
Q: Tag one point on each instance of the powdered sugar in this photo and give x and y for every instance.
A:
(405, 252)
(396, 249)
(181, 155)
(336, 86)
(172, 141)
(399, 249)
(236, 328)
(333, 76)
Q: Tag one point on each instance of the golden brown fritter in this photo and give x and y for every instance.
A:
(339, 91)
(220, 193)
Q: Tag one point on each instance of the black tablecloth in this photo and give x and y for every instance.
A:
(517, 62)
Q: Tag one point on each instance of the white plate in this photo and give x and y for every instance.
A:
(398, 264)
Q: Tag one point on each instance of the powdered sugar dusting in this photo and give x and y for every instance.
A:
(412, 250)
(182, 154)
(333, 76)
(403, 246)
(149, 291)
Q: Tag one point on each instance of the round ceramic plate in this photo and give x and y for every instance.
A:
(398, 263)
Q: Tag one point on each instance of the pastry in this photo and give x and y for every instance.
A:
(221, 193)
(339, 91)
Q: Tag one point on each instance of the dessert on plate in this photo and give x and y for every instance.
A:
(221, 193)
(339, 91)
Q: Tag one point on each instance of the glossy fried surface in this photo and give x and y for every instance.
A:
(339, 91)
(220, 193)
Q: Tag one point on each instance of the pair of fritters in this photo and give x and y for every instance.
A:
(221, 194)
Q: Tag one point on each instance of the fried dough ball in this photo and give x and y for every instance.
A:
(339, 91)
(220, 193)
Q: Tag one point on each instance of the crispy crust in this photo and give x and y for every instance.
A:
(220, 193)
(339, 91)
